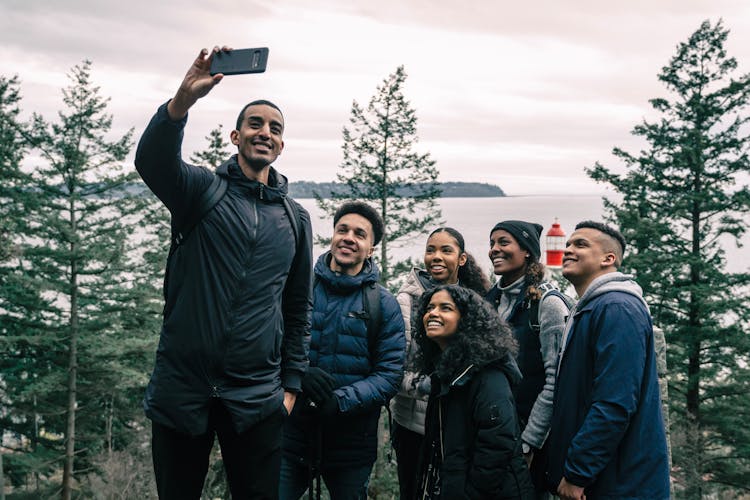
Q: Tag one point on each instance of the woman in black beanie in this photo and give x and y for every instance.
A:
(537, 312)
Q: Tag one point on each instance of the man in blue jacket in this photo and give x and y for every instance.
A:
(607, 438)
(231, 352)
(333, 428)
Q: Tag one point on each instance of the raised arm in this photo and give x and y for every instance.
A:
(197, 83)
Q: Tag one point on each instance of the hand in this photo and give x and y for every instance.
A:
(529, 457)
(289, 399)
(318, 385)
(569, 491)
(424, 386)
(197, 83)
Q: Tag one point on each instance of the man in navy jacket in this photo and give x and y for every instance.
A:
(333, 428)
(607, 438)
(231, 353)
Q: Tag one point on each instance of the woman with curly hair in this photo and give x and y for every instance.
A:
(537, 312)
(472, 446)
(445, 261)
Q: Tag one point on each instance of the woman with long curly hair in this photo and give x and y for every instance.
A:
(471, 448)
(537, 312)
(446, 261)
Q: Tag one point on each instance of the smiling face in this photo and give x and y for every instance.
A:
(441, 318)
(259, 138)
(351, 245)
(509, 260)
(443, 258)
(587, 256)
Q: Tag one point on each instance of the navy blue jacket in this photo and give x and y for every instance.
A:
(339, 345)
(238, 298)
(607, 430)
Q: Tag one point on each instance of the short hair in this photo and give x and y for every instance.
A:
(613, 233)
(366, 211)
(257, 102)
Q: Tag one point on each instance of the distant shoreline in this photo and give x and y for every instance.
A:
(308, 189)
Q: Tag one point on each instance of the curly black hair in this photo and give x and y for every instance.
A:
(470, 275)
(481, 336)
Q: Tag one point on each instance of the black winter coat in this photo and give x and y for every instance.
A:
(472, 435)
(238, 299)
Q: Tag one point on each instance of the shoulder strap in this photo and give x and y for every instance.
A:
(292, 211)
(371, 303)
(207, 200)
(546, 288)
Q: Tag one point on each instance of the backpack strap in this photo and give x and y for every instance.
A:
(371, 303)
(546, 288)
(292, 211)
(207, 200)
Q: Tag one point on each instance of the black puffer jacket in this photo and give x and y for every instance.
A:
(479, 455)
(238, 299)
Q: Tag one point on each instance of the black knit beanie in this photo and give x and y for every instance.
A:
(527, 234)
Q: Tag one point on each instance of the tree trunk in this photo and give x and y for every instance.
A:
(694, 469)
(108, 430)
(67, 483)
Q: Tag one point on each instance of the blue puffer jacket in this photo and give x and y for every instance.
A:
(607, 429)
(339, 345)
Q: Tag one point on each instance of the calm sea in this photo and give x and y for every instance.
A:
(474, 217)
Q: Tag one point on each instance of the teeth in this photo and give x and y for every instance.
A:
(434, 322)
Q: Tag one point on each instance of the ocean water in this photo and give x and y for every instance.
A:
(474, 217)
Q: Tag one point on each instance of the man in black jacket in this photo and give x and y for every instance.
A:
(231, 353)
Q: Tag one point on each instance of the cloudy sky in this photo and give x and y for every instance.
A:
(522, 95)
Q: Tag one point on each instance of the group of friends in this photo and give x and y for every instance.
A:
(504, 391)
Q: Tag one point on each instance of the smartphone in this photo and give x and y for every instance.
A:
(240, 61)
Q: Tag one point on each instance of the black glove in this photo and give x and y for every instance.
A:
(318, 385)
(329, 407)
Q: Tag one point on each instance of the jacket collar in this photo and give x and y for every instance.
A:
(276, 189)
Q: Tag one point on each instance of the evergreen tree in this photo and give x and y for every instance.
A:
(380, 160)
(82, 358)
(683, 195)
(216, 152)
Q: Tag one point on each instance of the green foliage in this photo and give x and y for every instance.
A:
(380, 161)
(215, 153)
(680, 195)
(79, 305)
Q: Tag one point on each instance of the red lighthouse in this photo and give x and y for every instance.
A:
(555, 245)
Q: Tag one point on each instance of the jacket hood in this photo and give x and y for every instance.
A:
(611, 282)
(506, 364)
(276, 189)
(344, 283)
(417, 281)
(474, 360)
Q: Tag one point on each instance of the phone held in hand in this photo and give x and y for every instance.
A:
(240, 61)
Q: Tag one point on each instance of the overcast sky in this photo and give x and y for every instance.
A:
(519, 95)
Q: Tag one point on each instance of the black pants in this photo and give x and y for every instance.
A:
(408, 445)
(252, 459)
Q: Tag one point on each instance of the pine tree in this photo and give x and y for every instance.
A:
(82, 357)
(683, 195)
(216, 152)
(379, 158)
